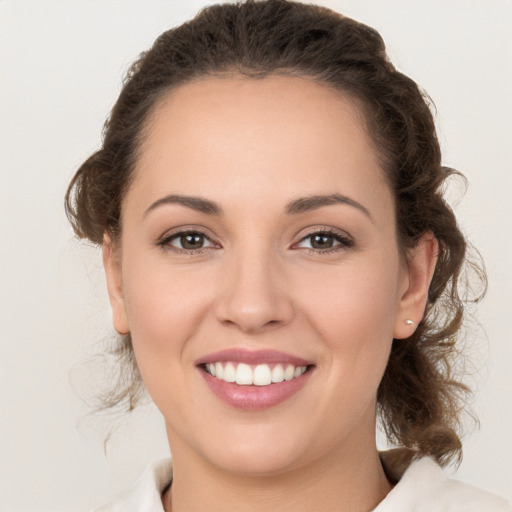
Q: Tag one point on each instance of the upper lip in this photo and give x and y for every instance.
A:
(240, 355)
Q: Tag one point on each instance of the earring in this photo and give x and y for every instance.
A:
(408, 321)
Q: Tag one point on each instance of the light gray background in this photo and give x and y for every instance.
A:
(61, 67)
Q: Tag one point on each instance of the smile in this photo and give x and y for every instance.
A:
(254, 380)
(258, 375)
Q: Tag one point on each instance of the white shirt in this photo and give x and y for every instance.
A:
(422, 488)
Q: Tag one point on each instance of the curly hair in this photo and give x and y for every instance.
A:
(420, 399)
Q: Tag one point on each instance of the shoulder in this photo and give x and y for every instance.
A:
(424, 487)
(145, 494)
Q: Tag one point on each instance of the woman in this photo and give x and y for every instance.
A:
(282, 267)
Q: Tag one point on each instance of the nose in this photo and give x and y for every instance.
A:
(255, 295)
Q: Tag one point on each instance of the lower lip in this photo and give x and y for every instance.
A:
(254, 398)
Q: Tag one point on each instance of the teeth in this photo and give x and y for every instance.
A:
(219, 371)
(243, 374)
(278, 373)
(229, 373)
(260, 375)
(289, 373)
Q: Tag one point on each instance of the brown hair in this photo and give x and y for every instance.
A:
(419, 399)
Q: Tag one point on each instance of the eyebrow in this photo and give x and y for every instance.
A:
(195, 203)
(295, 207)
(306, 204)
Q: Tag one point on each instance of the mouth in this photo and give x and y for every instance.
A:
(254, 380)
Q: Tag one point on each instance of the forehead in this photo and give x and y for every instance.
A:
(246, 136)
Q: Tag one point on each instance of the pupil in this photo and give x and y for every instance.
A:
(322, 241)
(191, 241)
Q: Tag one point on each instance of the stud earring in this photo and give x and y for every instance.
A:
(408, 321)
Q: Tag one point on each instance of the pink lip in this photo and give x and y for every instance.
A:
(238, 355)
(253, 398)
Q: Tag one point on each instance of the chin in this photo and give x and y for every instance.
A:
(258, 452)
(256, 462)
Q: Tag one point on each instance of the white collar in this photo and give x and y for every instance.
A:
(423, 487)
(146, 493)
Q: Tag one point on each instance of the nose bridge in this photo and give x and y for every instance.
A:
(254, 293)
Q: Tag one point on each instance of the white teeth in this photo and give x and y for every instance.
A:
(299, 371)
(243, 375)
(229, 373)
(260, 375)
(277, 373)
(289, 373)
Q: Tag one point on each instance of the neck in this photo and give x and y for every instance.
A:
(352, 480)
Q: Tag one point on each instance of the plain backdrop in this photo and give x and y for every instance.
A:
(61, 69)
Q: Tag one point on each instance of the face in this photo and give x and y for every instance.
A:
(258, 246)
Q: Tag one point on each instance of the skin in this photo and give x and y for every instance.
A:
(252, 147)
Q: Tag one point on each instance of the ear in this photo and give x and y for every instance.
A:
(112, 267)
(421, 263)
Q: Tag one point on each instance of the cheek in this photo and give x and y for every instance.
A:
(164, 307)
(354, 313)
(159, 296)
(353, 302)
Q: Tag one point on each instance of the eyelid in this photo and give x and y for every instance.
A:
(345, 240)
(164, 240)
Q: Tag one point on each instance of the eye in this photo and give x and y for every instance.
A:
(187, 241)
(325, 241)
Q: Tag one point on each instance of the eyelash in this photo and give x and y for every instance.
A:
(165, 242)
(344, 242)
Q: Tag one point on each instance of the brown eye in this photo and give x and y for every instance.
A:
(187, 241)
(192, 241)
(324, 241)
